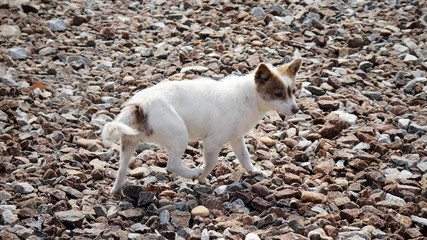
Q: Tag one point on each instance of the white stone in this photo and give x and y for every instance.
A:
(252, 236)
(194, 69)
(395, 199)
(403, 123)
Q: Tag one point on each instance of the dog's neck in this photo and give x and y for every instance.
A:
(245, 92)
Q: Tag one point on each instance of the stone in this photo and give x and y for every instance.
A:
(257, 11)
(403, 123)
(131, 214)
(180, 219)
(57, 25)
(313, 197)
(71, 218)
(198, 69)
(261, 190)
(353, 235)
(419, 220)
(365, 65)
(351, 119)
(334, 125)
(47, 51)
(22, 187)
(145, 198)
(17, 53)
(8, 31)
(393, 173)
(260, 204)
(201, 211)
(373, 95)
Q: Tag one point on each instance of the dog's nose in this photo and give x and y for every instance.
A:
(295, 110)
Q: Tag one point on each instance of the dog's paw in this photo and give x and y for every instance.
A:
(257, 172)
(116, 191)
(203, 180)
(196, 172)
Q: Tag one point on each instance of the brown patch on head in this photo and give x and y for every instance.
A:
(270, 86)
(290, 70)
(141, 119)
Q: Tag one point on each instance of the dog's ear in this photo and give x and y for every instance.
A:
(290, 69)
(262, 74)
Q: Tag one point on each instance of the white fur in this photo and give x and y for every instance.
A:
(218, 112)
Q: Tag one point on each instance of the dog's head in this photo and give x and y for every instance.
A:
(277, 86)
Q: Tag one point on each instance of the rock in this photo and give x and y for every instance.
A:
(355, 42)
(131, 214)
(57, 25)
(8, 31)
(414, 127)
(200, 211)
(353, 235)
(145, 198)
(393, 173)
(313, 197)
(333, 126)
(403, 123)
(257, 11)
(22, 187)
(180, 219)
(261, 190)
(351, 119)
(164, 217)
(365, 65)
(47, 51)
(199, 69)
(373, 95)
(71, 218)
(296, 226)
(419, 220)
(260, 204)
(17, 53)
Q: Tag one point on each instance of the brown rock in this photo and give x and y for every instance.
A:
(409, 209)
(260, 204)
(286, 193)
(349, 214)
(180, 219)
(355, 42)
(290, 142)
(261, 190)
(108, 33)
(313, 197)
(333, 126)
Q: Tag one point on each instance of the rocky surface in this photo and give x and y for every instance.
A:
(351, 165)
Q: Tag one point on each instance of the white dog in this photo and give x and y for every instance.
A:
(218, 112)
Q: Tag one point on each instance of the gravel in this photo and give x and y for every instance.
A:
(351, 165)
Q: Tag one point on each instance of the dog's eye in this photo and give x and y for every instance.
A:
(278, 94)
(294, 91)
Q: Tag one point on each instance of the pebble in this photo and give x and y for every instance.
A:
(17, 53)
(201, 211)
(354, 152)
(8, 31)
(57, 25)
(22, 187)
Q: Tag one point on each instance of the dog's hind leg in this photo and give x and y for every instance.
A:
(210, 158)
(127, 147)
(170, 131)
(242, 154)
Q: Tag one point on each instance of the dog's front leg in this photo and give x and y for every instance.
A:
(242, 154)
(127, 147)
(210, 158)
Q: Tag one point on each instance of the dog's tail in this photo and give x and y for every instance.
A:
(123, 124)
(114, 130)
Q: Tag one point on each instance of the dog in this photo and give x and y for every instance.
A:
(218, 112)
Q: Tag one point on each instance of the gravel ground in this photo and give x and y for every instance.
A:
(351, 165)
